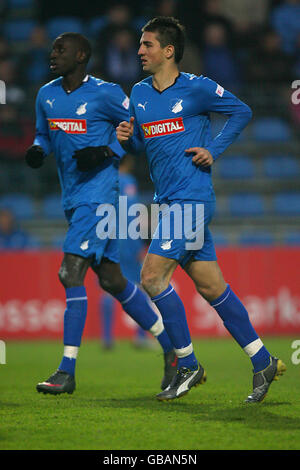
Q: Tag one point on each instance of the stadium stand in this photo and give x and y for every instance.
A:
(287, 204)
(22, 205)
(281, 166)
(51, 207)
(56, 26)
(256, 182)
(19, 29)
(271, 129)
(246, 205)
(251, 238)
(236, 167)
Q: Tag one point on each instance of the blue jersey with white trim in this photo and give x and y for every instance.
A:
(169, 122)
(86, 117)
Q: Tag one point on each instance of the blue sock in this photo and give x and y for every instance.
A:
(74, 321)
(107, 316)
(236, 320)
(140, 333)
(68, 365)
(135, 303)
(164, 341)
(173, 314)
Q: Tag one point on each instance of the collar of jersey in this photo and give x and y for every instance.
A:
(83, 81)
(174, 83)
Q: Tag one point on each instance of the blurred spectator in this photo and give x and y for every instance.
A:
(296, 65)
(164, 8)
(4, 49)
(246, 13)
(285, 19)
(16, 133)
(11, 236)
(219, 63)
(3, 10)
(199, 14)
(118, 16)
(49, 9)
(8, 73)
(120, 62)
(116, 48)
(268, 63)
(191, 61)
(35, 63)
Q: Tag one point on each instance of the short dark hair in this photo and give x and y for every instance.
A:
(170, 31)
(82, 43)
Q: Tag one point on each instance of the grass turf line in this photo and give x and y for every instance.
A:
(114, 405)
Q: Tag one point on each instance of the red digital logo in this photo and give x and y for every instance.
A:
(70, 126)
(160, 128)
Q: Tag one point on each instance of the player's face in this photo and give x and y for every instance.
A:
(63, 57)
(151, 53)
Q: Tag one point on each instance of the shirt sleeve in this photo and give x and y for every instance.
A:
(136, 142)
(42, 131)
(216, 99)
(117, 105)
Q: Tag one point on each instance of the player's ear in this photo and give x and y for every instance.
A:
(81, 57)
(169, 51)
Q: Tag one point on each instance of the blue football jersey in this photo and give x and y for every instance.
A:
(86, 117)
(169, 122)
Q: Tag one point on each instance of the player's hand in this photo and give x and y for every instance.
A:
(125, 130)
(89, 158)
(201, 156)
(35, 156)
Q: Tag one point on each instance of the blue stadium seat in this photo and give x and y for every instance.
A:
(236, 167)
(21, 205)
(256, 238)
(220, 239)
(58, 240)
(21, 3)
(52, 208)
(271, 129)
(281, 166)
(292, 238)
(18, 30)
(33, 243)
(95, 25)
(246, 204)
(63, 24)
(287, 203)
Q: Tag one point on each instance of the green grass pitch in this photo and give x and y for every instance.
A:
(114, 405)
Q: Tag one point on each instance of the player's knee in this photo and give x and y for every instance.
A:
(112, 284)
(64, 277)
(70, 277)
(151, 283)
(210, 293)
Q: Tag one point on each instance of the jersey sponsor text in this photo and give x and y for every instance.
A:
(70, 126)
(160, 128)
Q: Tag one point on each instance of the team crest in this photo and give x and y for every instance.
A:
(81, 109)
(176, 106)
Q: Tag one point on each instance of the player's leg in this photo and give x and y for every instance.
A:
(71, 274)
(80, 246)
(210, 283)
(136, 305)
(156, 275)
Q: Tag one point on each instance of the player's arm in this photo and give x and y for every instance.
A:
(128, 133)
(216, 99)
(41, 147)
